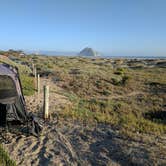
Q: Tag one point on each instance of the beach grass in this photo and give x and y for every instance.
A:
(106, 90)
(5, 159)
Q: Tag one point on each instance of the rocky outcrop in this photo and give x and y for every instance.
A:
(88, 52)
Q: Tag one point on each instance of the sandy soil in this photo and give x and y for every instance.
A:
(58, 144)
(75, 143)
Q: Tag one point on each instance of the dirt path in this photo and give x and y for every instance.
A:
(52, 148)
(56, 101)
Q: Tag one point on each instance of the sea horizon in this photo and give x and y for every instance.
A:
(103, 55)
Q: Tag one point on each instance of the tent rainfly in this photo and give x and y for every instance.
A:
(12, 102)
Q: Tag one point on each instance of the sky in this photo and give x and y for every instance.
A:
(113, 27)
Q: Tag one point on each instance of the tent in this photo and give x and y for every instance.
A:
(12, 102)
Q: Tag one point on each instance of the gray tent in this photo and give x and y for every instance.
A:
(12, 102)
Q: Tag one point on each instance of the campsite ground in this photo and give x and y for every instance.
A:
(111, 112)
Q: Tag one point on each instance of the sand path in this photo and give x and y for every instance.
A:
(51, 148)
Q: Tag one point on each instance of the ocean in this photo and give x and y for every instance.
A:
(74, 54)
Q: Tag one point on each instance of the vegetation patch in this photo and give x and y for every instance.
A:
(156, 116)
(119, 71)
(5, 159)
(105, 91)
(28, 85)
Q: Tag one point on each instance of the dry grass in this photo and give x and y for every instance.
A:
(109, 91)
(5, 159)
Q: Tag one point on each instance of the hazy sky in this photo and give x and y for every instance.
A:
(132, 27)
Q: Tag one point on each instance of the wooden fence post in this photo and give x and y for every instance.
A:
(35, 77)
(46, 102)
(38, 84)
(35, 72)
(33, 69)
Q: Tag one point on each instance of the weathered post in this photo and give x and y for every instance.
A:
(46, 102)
(35, 72)
(35, 77)
(38, 84)
(33, 69)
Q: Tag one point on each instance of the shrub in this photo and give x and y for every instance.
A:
(116, 81)
(119, 71)
(124, 79)
(28, 85)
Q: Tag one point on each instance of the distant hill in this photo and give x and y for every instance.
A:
(88, 52)
(52, 53)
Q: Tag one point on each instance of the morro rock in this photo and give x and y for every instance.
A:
(88, 52)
